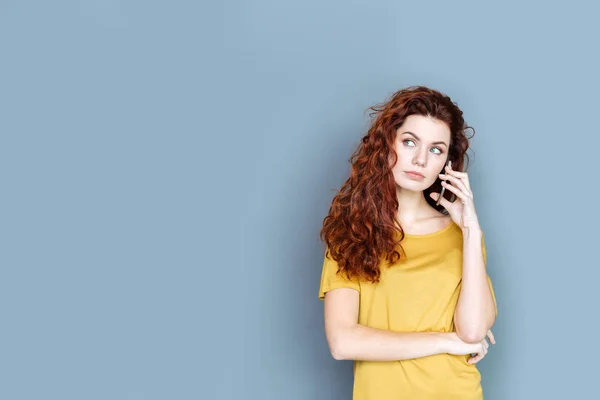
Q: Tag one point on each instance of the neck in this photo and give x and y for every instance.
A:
(411, 205)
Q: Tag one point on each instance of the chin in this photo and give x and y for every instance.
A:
(412, 186)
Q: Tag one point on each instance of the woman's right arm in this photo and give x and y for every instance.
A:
(348, 340)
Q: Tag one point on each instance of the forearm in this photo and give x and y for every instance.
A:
(475, 310)
(364, 343)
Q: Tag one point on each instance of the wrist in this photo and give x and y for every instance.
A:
(445, 341)
(474, 231)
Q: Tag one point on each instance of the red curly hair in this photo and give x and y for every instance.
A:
(362, 226)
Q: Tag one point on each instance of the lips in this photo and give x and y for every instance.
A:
(415, 175)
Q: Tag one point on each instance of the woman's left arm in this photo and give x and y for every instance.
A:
(475, 311)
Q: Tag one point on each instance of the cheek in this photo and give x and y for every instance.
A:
(401, 155)
(436, 169)
(440, 167)
(397, 171)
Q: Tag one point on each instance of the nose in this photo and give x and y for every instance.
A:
(420, 159)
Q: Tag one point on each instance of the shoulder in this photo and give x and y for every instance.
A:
(332, 278)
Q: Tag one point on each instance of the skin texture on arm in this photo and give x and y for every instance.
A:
(475, 311)
(348, 340)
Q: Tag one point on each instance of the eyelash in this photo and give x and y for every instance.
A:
(410, 140)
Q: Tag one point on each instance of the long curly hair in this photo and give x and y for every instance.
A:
(362, 227)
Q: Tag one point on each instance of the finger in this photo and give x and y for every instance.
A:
(491, 336)
(455, 173)
(484, 345)
(475, 359)
(456, 191)
(444, 202)
(458, 183)
(462, 175)
(479, 356)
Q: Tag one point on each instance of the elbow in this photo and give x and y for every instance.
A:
(338, 345)
(473, 332)
(337, 349)
(471, 336)
(337, 355)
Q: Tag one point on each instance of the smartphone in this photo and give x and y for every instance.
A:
(437, 203)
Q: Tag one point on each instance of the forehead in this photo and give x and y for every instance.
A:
(426, 128)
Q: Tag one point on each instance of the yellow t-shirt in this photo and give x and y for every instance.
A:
(417, 294)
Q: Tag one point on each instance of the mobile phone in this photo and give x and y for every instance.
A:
(437, 203)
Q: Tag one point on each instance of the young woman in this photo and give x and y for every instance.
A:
(404, 282)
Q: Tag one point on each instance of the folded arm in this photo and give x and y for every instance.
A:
(348, 340)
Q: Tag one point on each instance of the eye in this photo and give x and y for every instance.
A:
(410, 140)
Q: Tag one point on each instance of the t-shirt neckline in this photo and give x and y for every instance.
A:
(426, 235)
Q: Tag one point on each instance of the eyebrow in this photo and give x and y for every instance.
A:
(440, 142)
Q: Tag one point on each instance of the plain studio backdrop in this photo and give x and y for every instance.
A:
(166, 166)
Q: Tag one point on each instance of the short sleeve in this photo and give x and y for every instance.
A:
(330, 279)
(489, 279)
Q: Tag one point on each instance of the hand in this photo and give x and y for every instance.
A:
(479, 349)
(462, 211)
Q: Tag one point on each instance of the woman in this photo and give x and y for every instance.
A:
(405, 289)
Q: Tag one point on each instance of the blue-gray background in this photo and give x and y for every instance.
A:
(166, 166)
